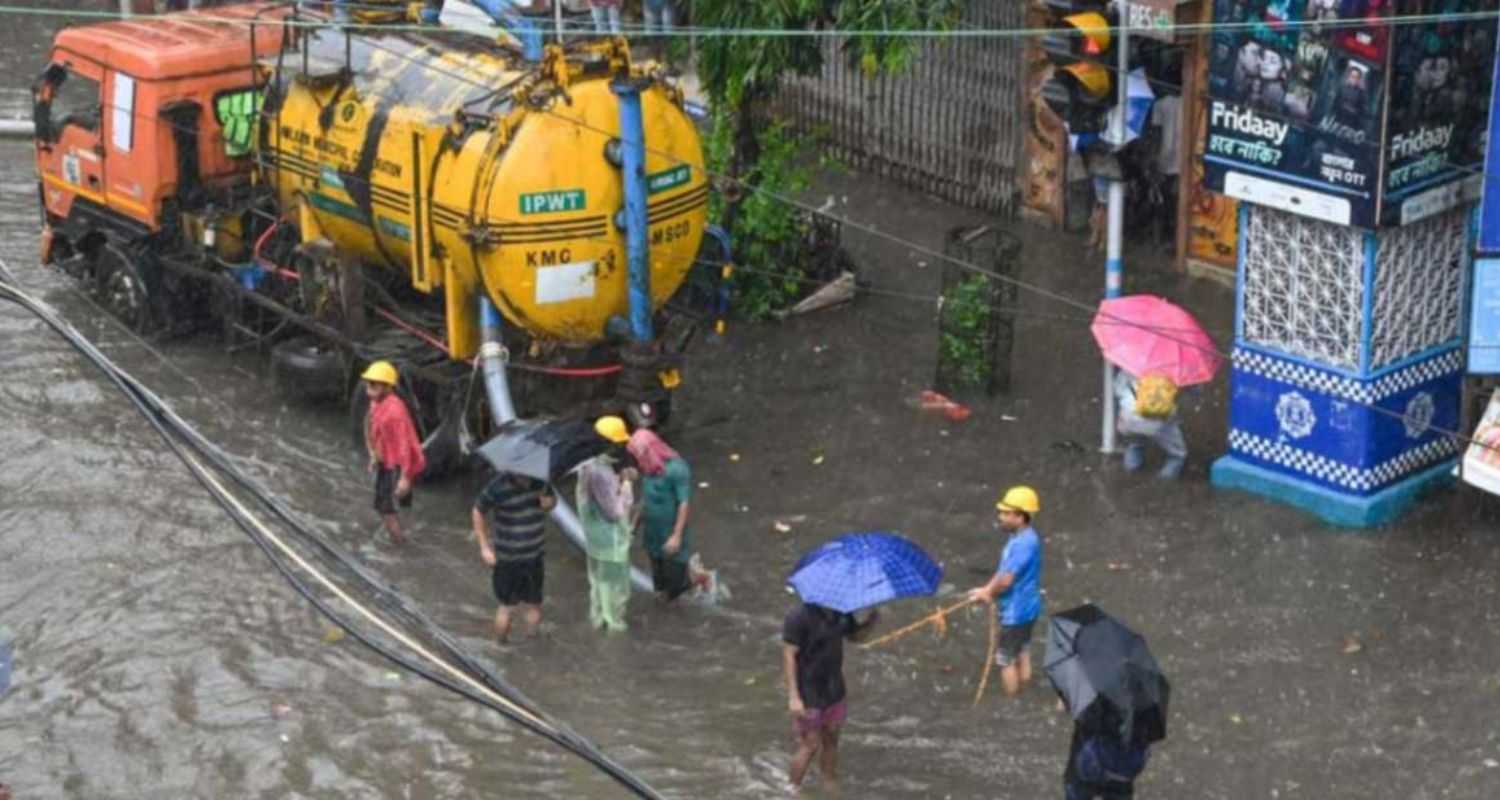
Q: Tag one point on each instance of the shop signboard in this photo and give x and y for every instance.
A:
(1353, 124)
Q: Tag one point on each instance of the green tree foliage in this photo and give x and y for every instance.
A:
(965, 351)
(741, 74)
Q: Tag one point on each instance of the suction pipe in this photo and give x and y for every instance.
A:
(492, 358)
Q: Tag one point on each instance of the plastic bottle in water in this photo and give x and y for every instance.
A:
(5, 658)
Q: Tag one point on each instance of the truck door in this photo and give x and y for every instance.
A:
(126, 130)
(69, 116)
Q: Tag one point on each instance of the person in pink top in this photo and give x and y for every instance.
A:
(396, 457)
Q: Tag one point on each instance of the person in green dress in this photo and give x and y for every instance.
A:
(605, 500)
(666, 489)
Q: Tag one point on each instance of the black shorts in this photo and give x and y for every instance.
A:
(670, 577)
(1013, 640)
(386, 479)
(518, 582)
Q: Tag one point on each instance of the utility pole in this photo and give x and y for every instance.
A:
(1113, 268)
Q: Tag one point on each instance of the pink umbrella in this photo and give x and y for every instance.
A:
(1144, 334)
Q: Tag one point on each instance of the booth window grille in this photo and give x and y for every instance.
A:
(1419, 287)
(1303, 287)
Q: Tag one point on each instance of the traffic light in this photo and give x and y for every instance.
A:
(1080, 44)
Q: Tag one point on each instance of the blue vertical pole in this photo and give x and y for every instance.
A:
(633, 167)
(1114, 271)
(505, 14)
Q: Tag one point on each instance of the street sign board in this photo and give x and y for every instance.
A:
(1489, 206)
(1484, 318)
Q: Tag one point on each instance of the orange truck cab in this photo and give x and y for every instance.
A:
(144, 128)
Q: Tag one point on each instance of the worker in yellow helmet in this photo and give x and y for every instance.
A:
(1016, 587)
(396, 457)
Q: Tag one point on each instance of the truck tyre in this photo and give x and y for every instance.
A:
(307, 369)
(122, 290)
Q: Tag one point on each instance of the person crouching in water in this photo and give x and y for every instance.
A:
(605, 501)
(812, 659)
(1148, 410)
(666, 488)
(396, 457)
(517, 506)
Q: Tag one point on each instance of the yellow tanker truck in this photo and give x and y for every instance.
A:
(256, 168)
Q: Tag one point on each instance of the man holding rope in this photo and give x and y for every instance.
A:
(1018, 586)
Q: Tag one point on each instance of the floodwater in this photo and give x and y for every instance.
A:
(158, 654)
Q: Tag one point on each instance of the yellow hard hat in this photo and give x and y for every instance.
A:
(380, 372)
(613, 429)
(1020, 498)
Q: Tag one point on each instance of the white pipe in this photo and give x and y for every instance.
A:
(17, 128)
(124, 8)
(492, 357)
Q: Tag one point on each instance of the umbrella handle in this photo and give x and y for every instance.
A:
(989, 657)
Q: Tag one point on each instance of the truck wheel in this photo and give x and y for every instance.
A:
(307, 369)
(122, 290)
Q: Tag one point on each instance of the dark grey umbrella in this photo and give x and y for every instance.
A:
(542, 449)
(1106, 675)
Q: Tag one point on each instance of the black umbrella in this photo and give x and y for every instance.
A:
(542, 449)
(1106, 675)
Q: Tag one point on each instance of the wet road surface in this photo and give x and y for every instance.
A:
(159, 655)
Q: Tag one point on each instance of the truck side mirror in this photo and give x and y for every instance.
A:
(42, 92)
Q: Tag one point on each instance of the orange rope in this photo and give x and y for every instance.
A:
(934, 617)
(989, 657)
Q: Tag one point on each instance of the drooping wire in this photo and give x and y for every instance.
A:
(830, 31)
(473, 682)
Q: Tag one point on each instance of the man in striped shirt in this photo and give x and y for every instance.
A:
(509, 517)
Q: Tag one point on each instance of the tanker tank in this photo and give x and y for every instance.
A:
(449, 159)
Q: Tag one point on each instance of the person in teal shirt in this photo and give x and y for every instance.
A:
(666, 490)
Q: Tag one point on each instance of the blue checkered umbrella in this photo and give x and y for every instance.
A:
(859, 570)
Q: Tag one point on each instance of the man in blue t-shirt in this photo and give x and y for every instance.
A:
(1018, 586)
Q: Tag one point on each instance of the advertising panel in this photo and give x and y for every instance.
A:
(1441, 76)
(1295, 105)
(1367, 125)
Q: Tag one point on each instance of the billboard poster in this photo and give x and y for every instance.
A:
(1481, 465)
(1489, 211)
(1296, 104)
(1441, 76)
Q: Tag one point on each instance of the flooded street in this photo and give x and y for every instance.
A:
(158, 654)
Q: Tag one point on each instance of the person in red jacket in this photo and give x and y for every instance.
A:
(396, 457)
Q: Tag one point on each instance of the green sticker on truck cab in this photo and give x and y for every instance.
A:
(553, 202)
(237, 112)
